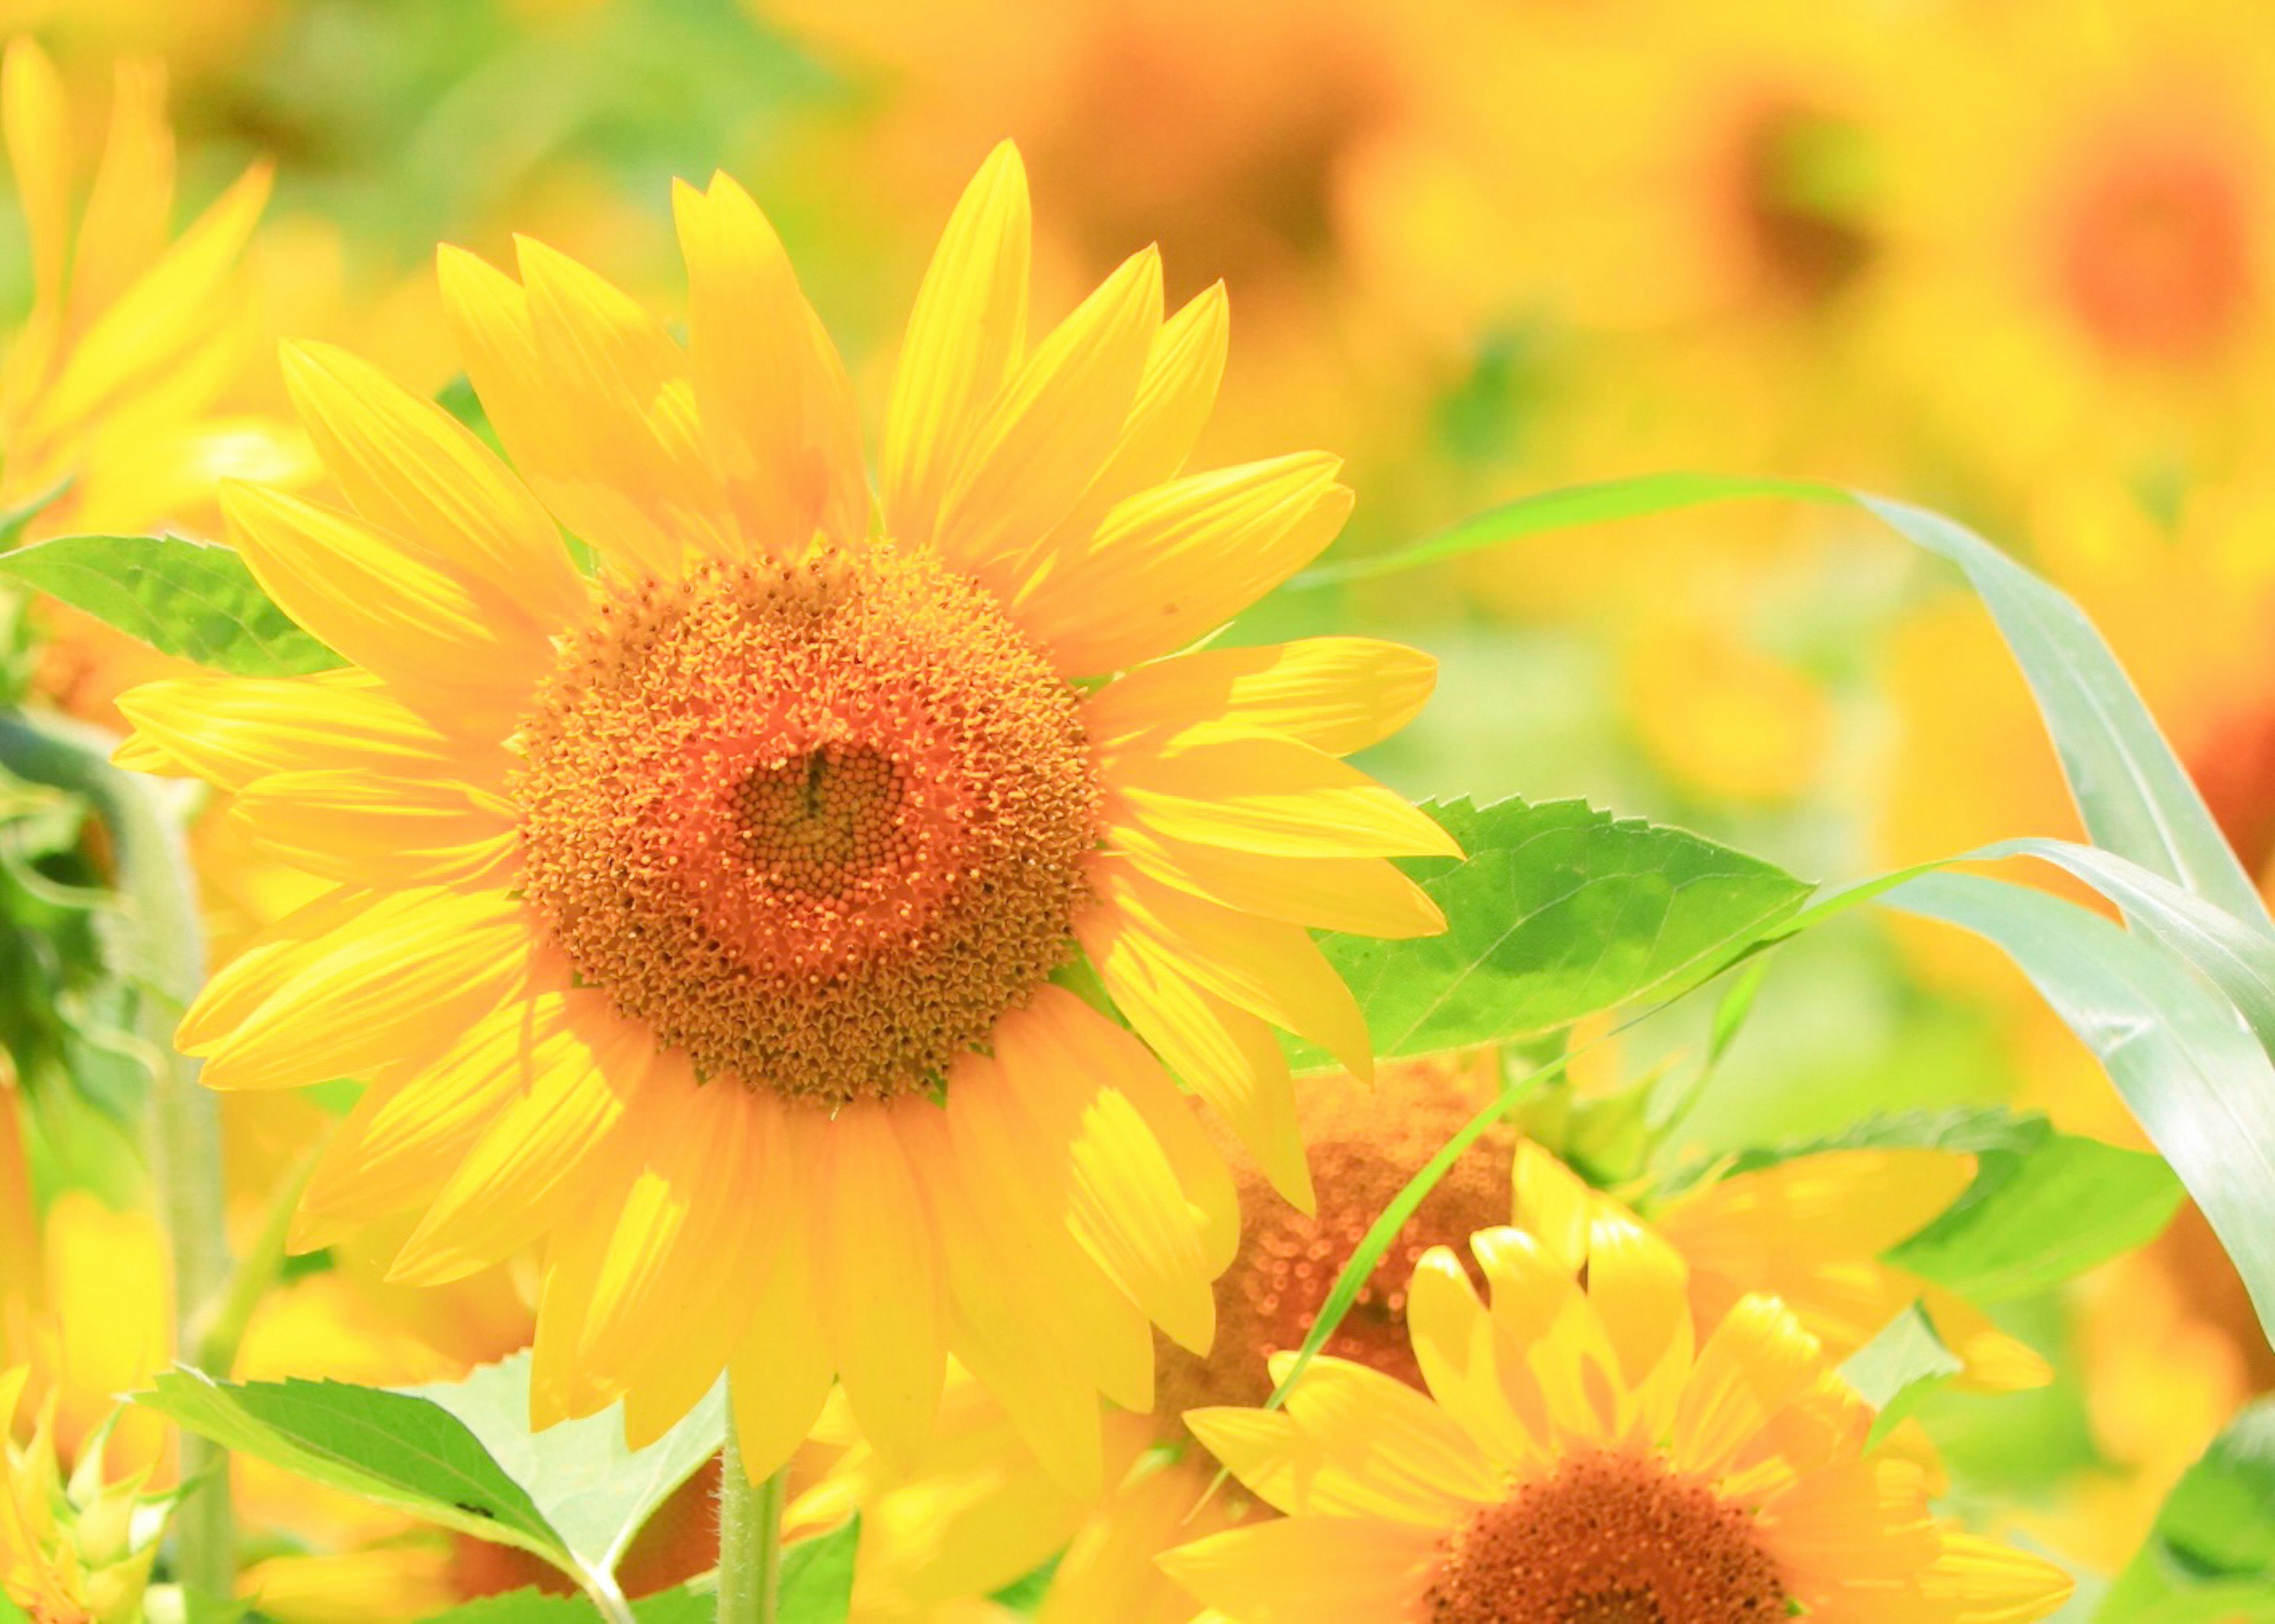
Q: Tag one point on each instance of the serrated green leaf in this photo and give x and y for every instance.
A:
(1558, 911)
(192, 599)
(391, 1447)
(817, 1576)
(2028, 1221)
(2210, 1555)
(1899, 1367)
(2193, 1074)
(591, 1491)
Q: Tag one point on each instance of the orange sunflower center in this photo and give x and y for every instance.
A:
(1366, 1143)
(817, 825)
(2156, 249)
(1610, 1538)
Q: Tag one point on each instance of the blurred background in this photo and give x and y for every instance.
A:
(2013, 260)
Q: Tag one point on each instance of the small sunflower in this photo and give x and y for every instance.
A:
(1582, 1455)
(699, 917)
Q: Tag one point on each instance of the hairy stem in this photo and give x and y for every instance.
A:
(750, 1539)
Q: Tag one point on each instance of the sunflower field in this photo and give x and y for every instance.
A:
(1136, 811)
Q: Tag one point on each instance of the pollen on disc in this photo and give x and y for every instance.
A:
(1610, 1537)
(818, 825)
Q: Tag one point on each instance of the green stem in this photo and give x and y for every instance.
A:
(157, 888)
(749, 1537)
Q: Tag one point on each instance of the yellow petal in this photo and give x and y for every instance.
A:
(415, 471)
(966, 333)
(354, 829)
(166, 314)
(1752, 1365)
(1224, 1055)
(39, 151)
(382, 985)
(1554, 1204)
(231, 731)
(1180, 560)
(124, 230)
(1365, 896)
(1312, 1570)
(576, 1072)
(1392, 1452)
(458, 651)
(1839, 1205)
(782, 1371)
(1270, 796)
(1336, 694)
(1452, 1338)
(1173, 400)
(1273, 971)
(1985, 1582)
(777, 408)
(622, 383)
(1043, 440)
(872, 1226)
(397, 1146)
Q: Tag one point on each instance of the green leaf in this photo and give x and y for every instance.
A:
(817, 1576)
(2211, 1553)
(390, 1448)
(1899, 1367)
(2031, 1221)
(190, 599)
(2132, 791)
(2196, 1078)
(593, 1492)
(1975, 1129)
(1559, 910)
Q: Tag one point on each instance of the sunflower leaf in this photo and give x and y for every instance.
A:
(817, 1576)
(683, 1606)
(1558, 911)
(1899, 1367)
(192, 599)
(2211, 1554)
(394, 1448)
(593, 1492)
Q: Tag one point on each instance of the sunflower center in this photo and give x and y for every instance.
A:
(2156, 252)
(816, 824)
(1364, 1143)
(1610, 1538)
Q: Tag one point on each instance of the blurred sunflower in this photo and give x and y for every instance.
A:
(707, 910)
(2082, 216)
(1582, 1455)
(72, 1552)
(113, 408)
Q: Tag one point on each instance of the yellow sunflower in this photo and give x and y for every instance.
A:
(71, 1551)
(698, 918)
(978, 1511)
(1583, 1455)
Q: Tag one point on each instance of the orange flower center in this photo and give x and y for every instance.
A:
(1365, 1143)
(2155, 250)
(1610, 1538)
(816, 824)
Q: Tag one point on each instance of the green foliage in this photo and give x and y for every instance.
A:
(460, 1455)
(1558, 911)
(2211, 1556)
(390, 1448)
(817, 1576)
(190, 599)
(1899, 1367)
(2197, 1080)
(2035, 1218)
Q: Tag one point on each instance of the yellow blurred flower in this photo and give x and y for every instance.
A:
(2083, 213)
(76, 1550)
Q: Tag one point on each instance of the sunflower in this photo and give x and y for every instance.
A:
(1582, 1455)
(73, 1552)
(978, 1511)
(700, 918)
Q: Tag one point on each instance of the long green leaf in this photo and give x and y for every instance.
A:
(2135, 798)
(1558, 911)
(189, 599)
(2195, 1077)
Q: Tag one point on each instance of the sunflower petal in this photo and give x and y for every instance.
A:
(1337, 694)
(354, 829)
(891, 1346)
(965, 336)
(1272, 797)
